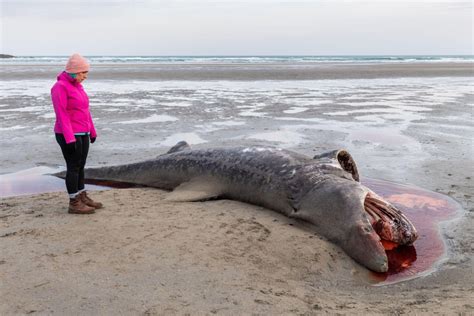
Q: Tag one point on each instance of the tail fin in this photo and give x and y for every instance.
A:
(61, 174)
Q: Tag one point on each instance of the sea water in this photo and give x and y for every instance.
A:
(373, 110)
(242, 59)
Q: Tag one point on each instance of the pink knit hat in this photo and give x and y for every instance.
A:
(76, 64)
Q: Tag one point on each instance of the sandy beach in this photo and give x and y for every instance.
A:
(406, 123)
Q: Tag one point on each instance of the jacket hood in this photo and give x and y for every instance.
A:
(64, 76)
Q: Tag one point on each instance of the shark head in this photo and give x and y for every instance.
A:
(356, 219)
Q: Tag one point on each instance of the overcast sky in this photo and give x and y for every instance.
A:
(231, 27)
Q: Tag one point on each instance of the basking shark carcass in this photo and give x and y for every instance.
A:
(323, 190)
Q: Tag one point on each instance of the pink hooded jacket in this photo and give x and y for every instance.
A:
(71, 105)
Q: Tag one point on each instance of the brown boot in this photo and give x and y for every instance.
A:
(88, 201)
(76, 206)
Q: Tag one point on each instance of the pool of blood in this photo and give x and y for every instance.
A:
(424, 208)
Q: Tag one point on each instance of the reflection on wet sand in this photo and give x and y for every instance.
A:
(35, 181)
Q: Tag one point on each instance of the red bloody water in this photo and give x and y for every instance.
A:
(426, 210)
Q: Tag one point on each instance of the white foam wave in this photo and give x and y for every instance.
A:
(295, 110)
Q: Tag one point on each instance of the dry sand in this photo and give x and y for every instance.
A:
(143, 255)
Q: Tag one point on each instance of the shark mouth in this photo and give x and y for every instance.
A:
(393, 228)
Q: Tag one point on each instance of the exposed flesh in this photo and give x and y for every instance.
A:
(389, 223)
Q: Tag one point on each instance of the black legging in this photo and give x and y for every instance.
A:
(75, 161)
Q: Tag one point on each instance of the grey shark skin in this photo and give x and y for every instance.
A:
(323, 190)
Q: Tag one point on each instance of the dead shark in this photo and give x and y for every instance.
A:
(323, 190)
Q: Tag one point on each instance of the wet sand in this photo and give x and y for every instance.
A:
(142, 255)
(235, 71)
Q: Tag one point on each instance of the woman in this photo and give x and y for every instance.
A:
(74, 128)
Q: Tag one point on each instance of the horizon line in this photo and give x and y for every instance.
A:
(250, 55)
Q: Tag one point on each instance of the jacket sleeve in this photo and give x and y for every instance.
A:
(93, 132)
(59, 98)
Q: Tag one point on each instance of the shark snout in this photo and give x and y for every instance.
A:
(365, 247)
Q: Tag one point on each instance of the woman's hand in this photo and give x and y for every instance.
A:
(92, 140)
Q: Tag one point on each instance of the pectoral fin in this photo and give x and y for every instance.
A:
(197, 189)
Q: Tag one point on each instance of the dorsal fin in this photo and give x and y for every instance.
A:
(180, 146)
